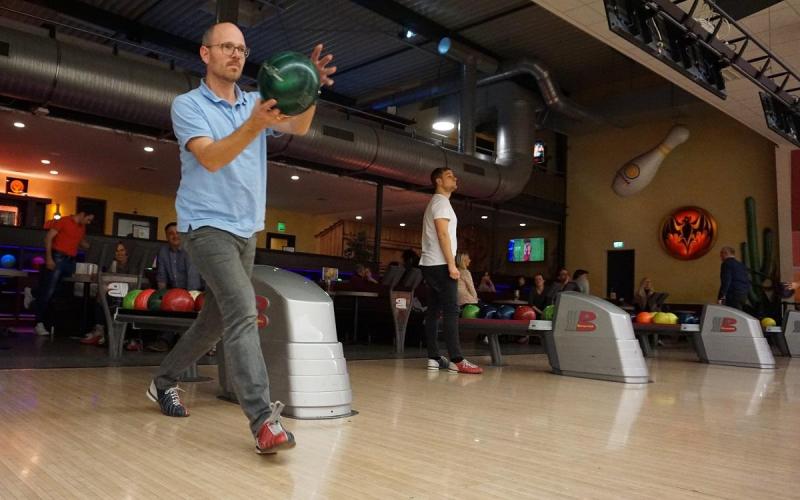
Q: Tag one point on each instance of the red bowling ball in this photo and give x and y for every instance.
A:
(263, 321)
(200, 301)
(177, 300)
(525, 312)
(262, 303)
(140, 303)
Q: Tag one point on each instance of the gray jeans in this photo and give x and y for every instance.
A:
(225, 262)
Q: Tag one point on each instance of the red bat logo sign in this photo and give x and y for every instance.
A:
(688, 233)
(586, 321)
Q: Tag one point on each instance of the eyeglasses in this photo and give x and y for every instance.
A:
(228, 48)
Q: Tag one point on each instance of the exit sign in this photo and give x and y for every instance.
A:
(281, 227)
(619, 244)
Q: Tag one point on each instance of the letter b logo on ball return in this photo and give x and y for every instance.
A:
(581, 321)
(723, 325)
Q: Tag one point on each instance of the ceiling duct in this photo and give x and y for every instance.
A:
(49, 72)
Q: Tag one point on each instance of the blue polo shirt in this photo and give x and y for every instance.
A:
(233, 198)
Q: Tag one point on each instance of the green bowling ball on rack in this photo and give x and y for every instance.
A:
(291, 79)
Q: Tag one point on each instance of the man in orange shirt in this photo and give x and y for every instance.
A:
(61, 246)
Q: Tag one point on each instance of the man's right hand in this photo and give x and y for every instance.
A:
(51, 264)
(266, 114)
(454, 272)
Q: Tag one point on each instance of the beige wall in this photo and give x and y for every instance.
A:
(721, 164)
(117, 200)
(303, 226)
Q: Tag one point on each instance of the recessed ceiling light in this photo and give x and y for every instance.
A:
(45, 162)
(444, 126)
(522, 224)
(54, 172)
(402, 224)
(295, 177)
(484, 217)
(358, 217)
(19, 124)
(149, 149)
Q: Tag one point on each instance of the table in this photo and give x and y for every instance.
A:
(511, 302)
(356, 296)
(87, 280)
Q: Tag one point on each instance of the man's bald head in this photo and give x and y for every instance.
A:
(209, 37)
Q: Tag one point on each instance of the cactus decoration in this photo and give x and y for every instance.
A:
(760, 265)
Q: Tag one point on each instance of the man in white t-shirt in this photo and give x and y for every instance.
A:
(438, 265)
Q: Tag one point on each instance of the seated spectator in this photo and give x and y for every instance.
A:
(581, 278)
(466, 287)
(362, 280)
(562, 283)
(486, 284)
(645, 297)
(539, 295)
(519, 287)
(119, 265)
(175, 270)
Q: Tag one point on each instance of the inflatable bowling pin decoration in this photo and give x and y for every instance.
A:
(637, 173)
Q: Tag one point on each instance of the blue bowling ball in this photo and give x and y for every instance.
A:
(506, 312)
(8, 261)
(692, 320)
(487, 312)
(682, 317)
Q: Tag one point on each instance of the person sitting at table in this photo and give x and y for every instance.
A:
(362, 280)
(175, 270)
(644, 298)
(519, 287)
(120, 265)
(486, 285)
(466, 287)
(539, 297)
(581, 279)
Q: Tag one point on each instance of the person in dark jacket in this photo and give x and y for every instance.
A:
(734, 280)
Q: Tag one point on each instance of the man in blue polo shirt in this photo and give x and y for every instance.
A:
(221, 200)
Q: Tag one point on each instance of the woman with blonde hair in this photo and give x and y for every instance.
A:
(642, 299)
(466, 287)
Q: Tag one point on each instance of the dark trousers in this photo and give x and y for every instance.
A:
(48, 281)
(442, 299)
(736, 300)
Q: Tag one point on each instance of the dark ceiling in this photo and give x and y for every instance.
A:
(364, 35)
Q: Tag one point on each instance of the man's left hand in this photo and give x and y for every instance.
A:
(321, 63)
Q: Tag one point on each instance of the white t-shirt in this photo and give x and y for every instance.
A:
(438, 208)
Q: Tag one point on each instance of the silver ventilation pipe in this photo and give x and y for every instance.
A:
(89, 79)
(547, 86)
(126, 88)
(551, 94)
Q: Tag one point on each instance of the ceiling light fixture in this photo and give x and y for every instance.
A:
(295, 177)
(57, 215)
(443, 126)
(358, 217)
(402, 224)
(19, 124)
(54, 172)
(149, 149)
(484, 217)
(45, 162)
(522, 224)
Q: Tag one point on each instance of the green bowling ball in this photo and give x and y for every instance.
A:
(291, 79)
(470, 311)
(154, 302)
(127, 302)
(548, 312)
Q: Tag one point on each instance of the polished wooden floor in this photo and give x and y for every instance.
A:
(697, 431)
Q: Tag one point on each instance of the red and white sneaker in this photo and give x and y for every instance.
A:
(464, 366)
(272, 437)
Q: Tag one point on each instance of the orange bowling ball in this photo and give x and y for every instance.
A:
(644, 317)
